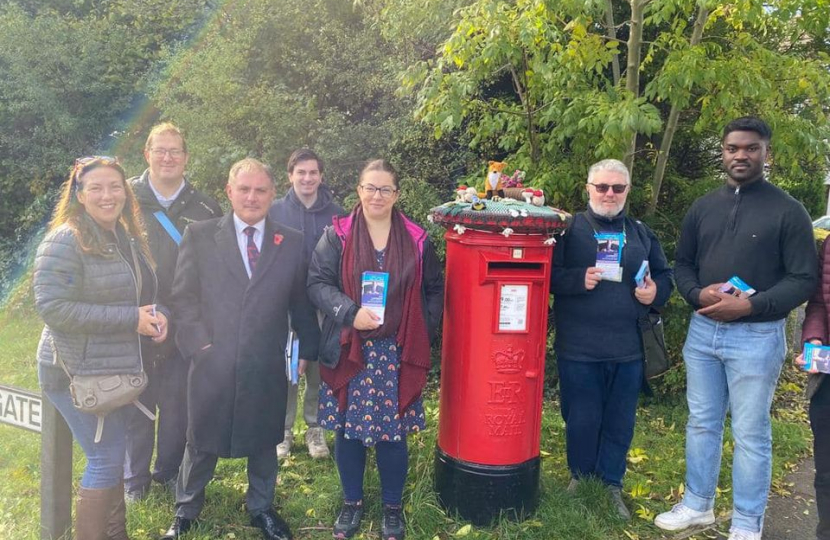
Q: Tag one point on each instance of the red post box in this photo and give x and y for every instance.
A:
(493, 367)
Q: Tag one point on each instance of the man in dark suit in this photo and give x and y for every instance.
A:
(237, 280)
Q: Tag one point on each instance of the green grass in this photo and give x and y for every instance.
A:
(308, 493)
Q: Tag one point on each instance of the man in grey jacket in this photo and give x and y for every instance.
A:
(307, 206)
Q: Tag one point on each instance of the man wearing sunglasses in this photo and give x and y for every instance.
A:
(307, 206)
(736, 345)
(600, 379)
(168, 203)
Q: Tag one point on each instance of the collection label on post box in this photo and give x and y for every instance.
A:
(513, 308)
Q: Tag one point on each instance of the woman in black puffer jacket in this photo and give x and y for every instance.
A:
(95, 289)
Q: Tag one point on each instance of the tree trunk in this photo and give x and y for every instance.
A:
(611, 32)
(532, 134)
(671, 123)
(632, 70)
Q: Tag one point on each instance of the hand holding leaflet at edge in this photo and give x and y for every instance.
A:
(646, 295)
(366, 319)
(799, 359)
(725, 307)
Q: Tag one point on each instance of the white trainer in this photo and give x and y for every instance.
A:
(681, 517)
(740, 534)
(315, 439)
(284, 448)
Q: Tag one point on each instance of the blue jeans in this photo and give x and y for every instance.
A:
(734, 366)
(104, 459)
(599, 406)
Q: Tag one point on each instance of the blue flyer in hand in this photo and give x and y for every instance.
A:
(609, 255)
(818, 356)
(642, 274)
(373, 292)
(292, 358)
(736, 287)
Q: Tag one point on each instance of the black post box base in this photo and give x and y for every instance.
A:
(479, 492)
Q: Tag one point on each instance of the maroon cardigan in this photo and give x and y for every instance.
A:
(817, 318)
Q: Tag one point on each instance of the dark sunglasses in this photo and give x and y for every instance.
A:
(603, 188)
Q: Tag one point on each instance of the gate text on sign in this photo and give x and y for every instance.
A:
(20, 408)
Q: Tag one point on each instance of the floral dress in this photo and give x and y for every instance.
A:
(372, 408)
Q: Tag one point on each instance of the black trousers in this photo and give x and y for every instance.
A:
(820, 424)
(166, 393)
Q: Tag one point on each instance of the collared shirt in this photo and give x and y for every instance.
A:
(166, 202)
(242, 239)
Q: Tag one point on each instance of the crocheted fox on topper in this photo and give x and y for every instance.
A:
(493, 187)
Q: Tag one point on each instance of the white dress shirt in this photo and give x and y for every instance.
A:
(242, 239)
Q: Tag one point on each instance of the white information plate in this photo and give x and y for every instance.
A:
(20, 408)
(513, 308)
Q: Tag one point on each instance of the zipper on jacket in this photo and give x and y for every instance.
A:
(137, 292)
(54, 350)
(732, 222)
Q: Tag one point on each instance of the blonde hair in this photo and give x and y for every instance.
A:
(164, 127)
(249, 165)
(70, 212)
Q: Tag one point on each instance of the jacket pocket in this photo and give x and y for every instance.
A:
(329, 354)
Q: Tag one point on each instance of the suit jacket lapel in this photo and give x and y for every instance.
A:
(269, 251)
(228, 248)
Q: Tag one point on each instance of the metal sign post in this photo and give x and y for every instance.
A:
(27, 410)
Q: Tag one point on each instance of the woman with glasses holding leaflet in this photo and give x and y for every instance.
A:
(373, 373)
(598, 346)
(95, 289)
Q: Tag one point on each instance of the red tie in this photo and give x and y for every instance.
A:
(253, 252)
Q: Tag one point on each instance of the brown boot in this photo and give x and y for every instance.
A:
(117, 524)
(92, 511)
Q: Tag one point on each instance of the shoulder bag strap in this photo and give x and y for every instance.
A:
(171, 229)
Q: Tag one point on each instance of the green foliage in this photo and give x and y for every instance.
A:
(70, 72)
(532, 79)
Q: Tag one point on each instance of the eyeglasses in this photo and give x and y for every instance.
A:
(603, 188)
(385, 191)
(175, 153)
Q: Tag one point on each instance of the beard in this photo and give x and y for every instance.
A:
(607, 212)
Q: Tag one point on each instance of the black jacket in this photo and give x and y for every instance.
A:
(758, 233)
(191, 205)
(601, 324)
(236, 391)
(310, 221)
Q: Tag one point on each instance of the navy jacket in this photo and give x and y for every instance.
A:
(601, 324)
(312, 221)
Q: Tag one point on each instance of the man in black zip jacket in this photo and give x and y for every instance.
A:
(168, 201)
(307, 206)
(736, 344)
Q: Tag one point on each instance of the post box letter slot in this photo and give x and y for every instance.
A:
(515, 269)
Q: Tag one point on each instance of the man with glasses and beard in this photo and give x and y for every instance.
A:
(595, 295)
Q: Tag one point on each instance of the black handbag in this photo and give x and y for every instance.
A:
(655, 358)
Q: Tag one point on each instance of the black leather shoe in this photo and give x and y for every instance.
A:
(273, 527)
(179, 526)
